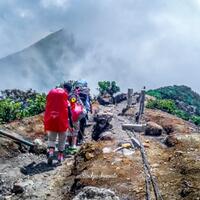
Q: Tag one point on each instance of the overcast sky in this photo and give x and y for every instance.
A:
(139, 42)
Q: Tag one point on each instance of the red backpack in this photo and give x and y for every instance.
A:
(76, 110)
(56, 111)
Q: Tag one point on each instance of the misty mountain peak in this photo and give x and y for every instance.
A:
(43, 64)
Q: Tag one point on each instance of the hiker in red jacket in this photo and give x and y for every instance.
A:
(57, 120)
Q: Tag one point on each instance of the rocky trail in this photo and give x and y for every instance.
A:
(103, 170)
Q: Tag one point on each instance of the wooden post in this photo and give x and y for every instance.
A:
(130, 98)
(142, 102)
(20, 140)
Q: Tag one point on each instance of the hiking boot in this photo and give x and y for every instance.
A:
(60, 157)
(50, 156)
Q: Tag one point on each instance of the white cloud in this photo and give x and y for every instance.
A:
(136, 42)
(24, 13)
(58, 3)
(196, 2)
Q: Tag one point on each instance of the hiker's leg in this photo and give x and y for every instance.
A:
(69, 138)
(52, 139)
(61, 145)
(62, 136)
(81, 129)
(51, 146)
(75, 134)
(74, 141)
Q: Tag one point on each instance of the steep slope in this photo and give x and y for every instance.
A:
(45, 63)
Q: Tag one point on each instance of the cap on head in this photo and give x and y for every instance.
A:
(67, 86)
(82, 83)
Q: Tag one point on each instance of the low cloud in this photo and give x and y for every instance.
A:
(135, 42)
(55, 3)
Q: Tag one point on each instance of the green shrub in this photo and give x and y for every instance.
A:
(11, 110)
(178, 93)
(182, 114)
(108, 87)
(164, 105)
(154, 93)
(167, 96)
(195, 120)
(36, 105)
(170, 107)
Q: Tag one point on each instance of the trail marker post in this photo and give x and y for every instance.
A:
(130, 98)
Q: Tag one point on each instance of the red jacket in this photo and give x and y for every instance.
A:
(56, 111)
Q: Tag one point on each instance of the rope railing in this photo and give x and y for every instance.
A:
(150, 180)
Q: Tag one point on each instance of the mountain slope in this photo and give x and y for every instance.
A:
(44, 63)
(183, 96)
(179, 100)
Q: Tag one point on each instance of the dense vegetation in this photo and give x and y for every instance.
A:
(108, 87)
(17, 104)
(178, 100)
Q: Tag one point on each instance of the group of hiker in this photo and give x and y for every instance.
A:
(65, 117)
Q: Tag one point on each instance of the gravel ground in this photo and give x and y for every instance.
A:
(39, 181)
(31, 172)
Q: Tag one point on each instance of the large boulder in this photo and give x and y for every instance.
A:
(171, 141)
(102, 124)
(153, 129)
(106, 136)
(120, 97)
(107, 116)
(8, 148)
(103, 101)
(40, 147)
(94, 193)
(20, 187)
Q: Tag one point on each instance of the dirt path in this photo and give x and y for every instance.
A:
(42, 182)
(120, 171)
(31, 173)
(176, 168)
(117, 120)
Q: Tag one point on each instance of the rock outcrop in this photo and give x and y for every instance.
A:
(95, 193)
(153, 129)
